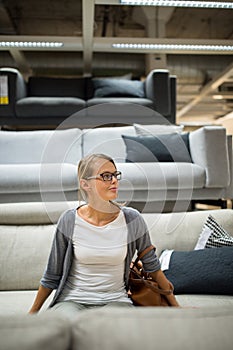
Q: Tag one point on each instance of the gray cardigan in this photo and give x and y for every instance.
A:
(61, 254)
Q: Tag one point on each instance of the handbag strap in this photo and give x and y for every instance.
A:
(144, 252)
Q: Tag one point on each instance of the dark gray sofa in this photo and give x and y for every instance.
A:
(90, 101)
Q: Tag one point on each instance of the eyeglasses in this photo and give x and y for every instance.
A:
(106, 176)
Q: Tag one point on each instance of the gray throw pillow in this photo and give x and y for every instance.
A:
(118, 88)
(160, 148)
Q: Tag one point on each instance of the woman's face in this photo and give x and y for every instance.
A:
(97, 187)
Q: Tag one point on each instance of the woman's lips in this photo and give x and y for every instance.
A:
(113, 189)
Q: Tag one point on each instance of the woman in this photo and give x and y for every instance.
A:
(94, 246)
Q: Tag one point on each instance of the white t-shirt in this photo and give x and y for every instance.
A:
(97, 272)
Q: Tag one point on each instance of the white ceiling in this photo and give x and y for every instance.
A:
(88, 28)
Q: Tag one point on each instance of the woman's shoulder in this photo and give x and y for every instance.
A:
(67, 215)
(131, 213)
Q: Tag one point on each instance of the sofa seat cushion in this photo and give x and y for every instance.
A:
(139, 328)
(24, 332)
(18, 302)
(161, 176)
(21, 178)
(204, 300)
(120, 101)
(35, 107)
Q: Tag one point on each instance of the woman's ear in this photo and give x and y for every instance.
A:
(84, 184)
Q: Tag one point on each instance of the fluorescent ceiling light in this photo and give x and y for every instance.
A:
(178, 3)
(28, 44)
(185, 47)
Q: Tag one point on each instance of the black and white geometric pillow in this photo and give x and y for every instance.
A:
(213, 235)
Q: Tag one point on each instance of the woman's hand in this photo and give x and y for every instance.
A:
(164, 283)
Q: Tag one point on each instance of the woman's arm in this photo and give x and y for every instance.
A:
(42, 294)
(164, 283)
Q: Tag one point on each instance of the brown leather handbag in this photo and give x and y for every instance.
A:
(143, 291)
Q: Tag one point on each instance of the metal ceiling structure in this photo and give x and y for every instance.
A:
(89, 28)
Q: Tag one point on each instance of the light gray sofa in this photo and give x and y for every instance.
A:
(42, 165)
(26, 232)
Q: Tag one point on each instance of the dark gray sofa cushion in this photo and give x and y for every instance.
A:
(120, 100)
(118, 88)
(172, 147)
(34, 107)
(56, 87)
(204, 271)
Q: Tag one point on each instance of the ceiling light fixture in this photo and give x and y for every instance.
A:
(178, 3)
(165, 47)
(30, 44)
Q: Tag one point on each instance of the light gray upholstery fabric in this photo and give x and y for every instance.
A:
(21, 178)
(27, 230)
(47, 332)
(208, 146)
(161, 176)
(47, 146)
(150, 328)
(24, 253)
(106, 140)
(38, 213)
(180, 231)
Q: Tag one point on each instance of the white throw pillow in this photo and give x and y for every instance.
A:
(213, 235)
(145, 130)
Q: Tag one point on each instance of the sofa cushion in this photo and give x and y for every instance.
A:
(161, 176)
(47, 332)
(149, 130)
(24, 254)
(19, 302)
(118, 88)
(34, 178)
(35, 107)
(106, 140)
(213, 235)
(56, 87)
(28, 147)
(204, 271)
(152, 327)
(161, 148)
(121, 102)
(180, 231)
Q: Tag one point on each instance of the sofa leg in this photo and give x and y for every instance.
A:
(222, 203)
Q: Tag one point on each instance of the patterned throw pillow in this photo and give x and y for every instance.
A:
(213, 235)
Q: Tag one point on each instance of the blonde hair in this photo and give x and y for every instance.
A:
(86, 167)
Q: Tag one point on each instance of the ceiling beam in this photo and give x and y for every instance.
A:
(21, 61)
(207, 89)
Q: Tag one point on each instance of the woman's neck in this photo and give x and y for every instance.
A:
(99, 215)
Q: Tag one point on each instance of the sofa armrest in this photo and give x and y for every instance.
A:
(17, 89)
(208, 147)
(157, 87)
(173, 99)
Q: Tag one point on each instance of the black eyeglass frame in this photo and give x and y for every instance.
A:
(106, 176)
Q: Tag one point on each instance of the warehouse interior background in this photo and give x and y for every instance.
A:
(88, 29)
